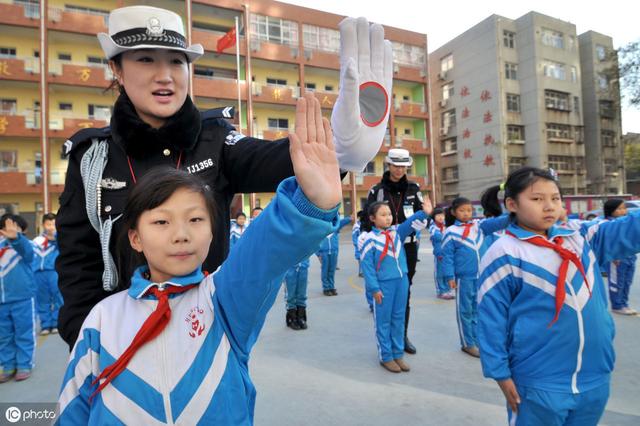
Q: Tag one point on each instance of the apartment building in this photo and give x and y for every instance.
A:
(286, 51)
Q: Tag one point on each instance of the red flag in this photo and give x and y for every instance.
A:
(226, 41)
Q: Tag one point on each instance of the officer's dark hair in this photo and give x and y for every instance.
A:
(436, 211)
(48, 216)
(151, 191)
(241, 214)
(611, 206)
(449, 213)
(517, 182)
(115, 85)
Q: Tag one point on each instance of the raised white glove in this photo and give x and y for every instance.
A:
(359, 117)
(419, 225)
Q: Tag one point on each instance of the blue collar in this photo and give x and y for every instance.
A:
(378, 231)
(459, 223)
(554, 231)
(140, 285)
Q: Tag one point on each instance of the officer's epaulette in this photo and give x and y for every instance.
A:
(222, 112)
(84, 136)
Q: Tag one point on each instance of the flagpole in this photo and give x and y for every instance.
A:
(237, 34)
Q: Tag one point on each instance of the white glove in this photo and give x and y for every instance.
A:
(359, 117)
(419, 225)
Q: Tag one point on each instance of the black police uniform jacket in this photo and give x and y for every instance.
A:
(404, 197)
(204, 144)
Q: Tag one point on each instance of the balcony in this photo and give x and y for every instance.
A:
(79, 74)
(65, 127)
(273, 94)
(261, 49)
(20, 69)
(411, 72)
(15, 125)
(218, 87)
(21, 14)
(365, 182)
(27, 125)
(26, 182)
(326, 99)
(76, 21)
(411, 109)
(321, 58)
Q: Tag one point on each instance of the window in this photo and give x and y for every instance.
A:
(405, 98)
(310, 87)
(370, 168)
(571, 43)
(65, 106)
(552, 38)
(606, 109)
(446, 63)
(7, 52)
(407, 132)
(601, 52)
(578, 134)
(513, 102)
(409, 55)
(448, 146)
(554, 70)
(97, 60)
(608, 138)
(574, 74)
(99, 112)
(8, 106)
(8, 161)
(64, 56)
(447, 91)
(328, 88)
(509, 39)
(557, 100)
(603, 81)
(558, 131)
(515, 134)
(274, 30)
(278, 123)
(36, 53)
(87, 10)
(576, 105)
(516, 163)
(319, 38)
(203, 71)
(610, 166)
(510, 71)
(561, 162)
(448, 118)
(450, 174)
(276, 81)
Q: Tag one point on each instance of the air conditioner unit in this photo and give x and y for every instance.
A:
(294, 52)
(396, 68)
(443, 103)
(423, 73)
(444, 131)
(442, 75)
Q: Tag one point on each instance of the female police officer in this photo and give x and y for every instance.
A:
(155, 123)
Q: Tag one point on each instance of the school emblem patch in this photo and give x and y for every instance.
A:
(195, 321)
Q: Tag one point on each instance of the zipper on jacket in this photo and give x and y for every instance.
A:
(163, 372)
(574, 376)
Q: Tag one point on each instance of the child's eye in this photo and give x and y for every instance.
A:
(160, 222)
(178, 61)
(145, 59)
(197, 219)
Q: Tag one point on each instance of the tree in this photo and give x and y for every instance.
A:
(629, 59)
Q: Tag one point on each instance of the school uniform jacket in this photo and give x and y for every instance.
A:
(196, 370)
(461, 256)
(16, 277)
(516, 304)
(45, 254)
(394, 264)
(436, 243)
(236, 233)
(331, 244)
(355, 234)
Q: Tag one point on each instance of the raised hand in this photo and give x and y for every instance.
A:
(313, 155)
(359, 117)
(427, 207)
(10, 230)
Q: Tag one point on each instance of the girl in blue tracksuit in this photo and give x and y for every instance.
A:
(619, 272)
(384, 265)
(17, 304)
(296, 280)
(237, 229)
(48, 297)
(174, 348)
(328, 255)
(358, 236)
(436, 230)
(544, 331)
(463, 244)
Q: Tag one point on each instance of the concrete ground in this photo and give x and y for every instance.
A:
(329, 374)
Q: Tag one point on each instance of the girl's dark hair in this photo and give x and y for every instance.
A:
(611, 205)
(241, 214)
(151, 191)
(449, 218)
(488, 201)
(436, 211)
(366, 223)
(517, 182)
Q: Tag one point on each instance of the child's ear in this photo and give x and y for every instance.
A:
(134, 240)
(511, 205)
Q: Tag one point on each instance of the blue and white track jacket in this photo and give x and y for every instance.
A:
(44, 259)
(196, 370)
(516, 304)
(235, 233)
(355, 234)
(394, 264)
(332, 242)
(16, 276)
(461, 257)
(436, 243)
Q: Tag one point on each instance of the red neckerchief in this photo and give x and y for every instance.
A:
(440, 226)
(467, 229)
(151, 328)
(387, 241)
(567, 256)
(3, 250)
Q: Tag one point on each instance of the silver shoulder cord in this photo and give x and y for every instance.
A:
(92, 166)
